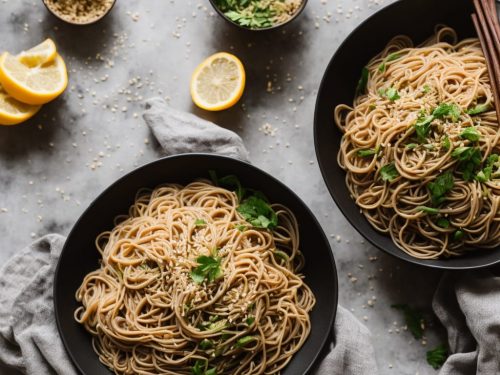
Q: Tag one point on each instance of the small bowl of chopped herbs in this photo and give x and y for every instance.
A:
(259, 14)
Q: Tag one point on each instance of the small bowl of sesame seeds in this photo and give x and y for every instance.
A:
(79, 12)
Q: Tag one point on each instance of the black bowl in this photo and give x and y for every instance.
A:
(417, 19)
(79, 255)
(302, 6)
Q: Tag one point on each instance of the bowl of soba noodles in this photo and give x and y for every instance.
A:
(196, 264)
(407, 135)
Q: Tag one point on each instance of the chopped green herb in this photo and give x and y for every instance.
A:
(212, 371)
(446, 143)
(429, 146)
(478, 109)
(241, 227)
(423, 126)
(440, 186)
(250, 320)
(389, 58)
(391, 94)
(414, 319)
(429, 210)
(206, 344)
(200, 222)
(243, 341)
(411, 146)
(281, 254)
(471, 133)
(258, 212)
(426, 89)
(458, 235)
(230, 182)
(389, 172)
(198, 368)
(372, 107)
(486, 174)
(443, 223)
(469, 159)
(218, 325)
(363, 81)
(369, 152)
(209, 268)
(437, 356)
(447, 110)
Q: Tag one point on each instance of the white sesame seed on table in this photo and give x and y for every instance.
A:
(94, 133)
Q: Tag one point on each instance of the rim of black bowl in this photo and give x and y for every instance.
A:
(324, 341)
(323, 168)
(273, 27)
(51, 11)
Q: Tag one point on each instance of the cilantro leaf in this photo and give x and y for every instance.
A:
(208, 268)
(469, 159)
(411, 146)
(426, 89)
(206, 344)
(485, 174)
(458, 235)
(447, 110)
(249, 321)
(389, 58)
(391, 93)
(471, 133)
(423, 126)
(258, 212)
(200, 222)
(389, 172)
(241, 228)
(437, 356)
(440, 186)
(363, 81)
(443, 223)
(478, 109)
(413, 318)
(446, 143)
(229, 182)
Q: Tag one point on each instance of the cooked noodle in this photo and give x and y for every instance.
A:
(379, 130)
(148, 316)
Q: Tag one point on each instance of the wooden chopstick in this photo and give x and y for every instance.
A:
(486, 26)
(494, 14)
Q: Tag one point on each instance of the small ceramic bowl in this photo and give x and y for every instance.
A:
(71, 22)
(294, 16)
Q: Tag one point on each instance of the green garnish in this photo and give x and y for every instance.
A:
(281, 254)
(487, 172)
(478, 109)
(469, 159)
(389, 172)
(200, 368)
(206, 344)
(258, 212)
(443, 223)
(209, 268)
(250, 320)
(446, 143)
(429, 210)
(391, 93)
(200, 222)
(414, 319)
(389, 58)
(369, 152)
(230, 182)
(423, 126)
(241, 227)
(218, 325)
(440, 186)
(426, 89)
(437, 356)
(447, 110)
(458, 235)
(363, 81)
(243, 341)
(411, 146)
(255, 14)
(471, 133)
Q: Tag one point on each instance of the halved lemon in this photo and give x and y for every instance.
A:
(12, 111)
(36, 85)
(40, 54)
(218, 82)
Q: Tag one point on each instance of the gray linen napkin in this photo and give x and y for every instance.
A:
(468, 305)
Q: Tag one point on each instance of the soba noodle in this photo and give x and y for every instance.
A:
(420, 147)
(147, 312)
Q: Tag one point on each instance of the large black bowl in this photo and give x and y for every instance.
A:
(79, 255)
(417, 19)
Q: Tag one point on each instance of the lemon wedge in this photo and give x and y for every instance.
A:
(12, 111)
(218, 82)
(38, 55)
(33, 85)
